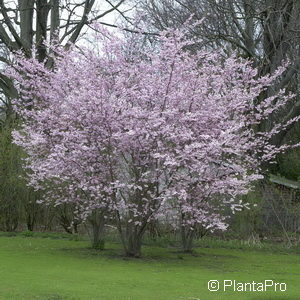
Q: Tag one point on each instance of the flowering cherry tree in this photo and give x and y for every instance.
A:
(129, 132)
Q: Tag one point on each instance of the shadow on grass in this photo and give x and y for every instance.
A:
(209, 261)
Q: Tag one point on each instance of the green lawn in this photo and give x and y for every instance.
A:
(45, 268)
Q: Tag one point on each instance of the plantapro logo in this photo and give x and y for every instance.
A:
(236, 286)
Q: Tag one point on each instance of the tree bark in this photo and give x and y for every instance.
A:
(97, 221)
(26, 20)
(42, 10)
(187, 238)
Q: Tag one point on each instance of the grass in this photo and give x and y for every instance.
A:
(54, 267)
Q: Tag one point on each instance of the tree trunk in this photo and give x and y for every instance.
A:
(187, 237)
(153, 229)
(134, 245)
(42, 9)
(26, 20)
(30, 222)
(132, 237)
(97, 221)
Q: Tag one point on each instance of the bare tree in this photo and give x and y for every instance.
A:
(266, 31)
(28, 23)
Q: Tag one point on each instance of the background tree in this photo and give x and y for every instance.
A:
(265, 31)
(33, 23)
